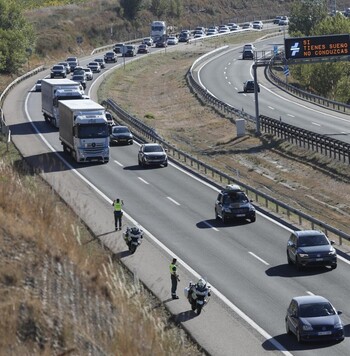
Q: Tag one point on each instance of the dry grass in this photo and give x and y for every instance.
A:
(59, 294)
(309, 182)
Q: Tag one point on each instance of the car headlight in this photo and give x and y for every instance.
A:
(251, 208)
(332, 252)
(338, 326)
(307, 328)
(226, 210)
(303, 255)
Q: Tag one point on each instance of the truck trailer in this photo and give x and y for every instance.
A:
(53, 90)
(83, 130)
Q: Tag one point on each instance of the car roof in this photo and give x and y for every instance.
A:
(120, 127)
(152, 144)
(307, 233)
(307, 299)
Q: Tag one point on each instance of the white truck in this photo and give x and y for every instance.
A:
(158, 30)
(83, 130)
(53, 90)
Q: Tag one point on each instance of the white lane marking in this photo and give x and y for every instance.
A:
(309, 293)
(174, 201)
(270, 107)
(290, 115)
(229, 83)
(211, 226)
(236, 88)
(232, 306)
(315, 123)
(118, 163)
(142, 180)
(258, 258)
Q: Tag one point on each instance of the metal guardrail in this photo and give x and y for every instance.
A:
(315, 99)
(321, 144)
(263, 200)
(4, 129)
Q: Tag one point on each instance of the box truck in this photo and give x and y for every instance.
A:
(83, 130)
(53, 90)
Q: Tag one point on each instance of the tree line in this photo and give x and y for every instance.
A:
(330, 80)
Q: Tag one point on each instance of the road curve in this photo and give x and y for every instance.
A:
(245, 262)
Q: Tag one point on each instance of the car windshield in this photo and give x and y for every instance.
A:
(153, 149)
(312, 240)
(78, 77)
(235, 197)
(316, 310)
(121, 130)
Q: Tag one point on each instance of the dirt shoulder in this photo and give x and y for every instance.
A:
(154, 89)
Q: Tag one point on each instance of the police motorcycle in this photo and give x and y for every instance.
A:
(198, 294)
(133, 236)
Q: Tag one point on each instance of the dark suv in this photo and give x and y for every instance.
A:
(248, 86)
(58, 70)
(152, 154)
(248, 54)
(232, 203)
(110, 57)
(310, 248)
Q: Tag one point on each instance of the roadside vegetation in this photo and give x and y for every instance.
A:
(60, 291)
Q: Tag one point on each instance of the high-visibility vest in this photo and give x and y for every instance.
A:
(172, 268)
(117, 206)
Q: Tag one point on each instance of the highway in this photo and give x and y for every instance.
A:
(224, 75)
(243, 261)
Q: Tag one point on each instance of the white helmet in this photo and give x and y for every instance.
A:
(201, 283)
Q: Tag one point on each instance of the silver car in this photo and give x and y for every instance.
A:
(152, 154)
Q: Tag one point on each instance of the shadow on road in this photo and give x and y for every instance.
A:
(210, 223)
(289, 342)
(183, 316)
(288, 271)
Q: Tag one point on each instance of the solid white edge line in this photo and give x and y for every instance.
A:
(245, 317)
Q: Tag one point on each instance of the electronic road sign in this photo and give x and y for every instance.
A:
(317, 46)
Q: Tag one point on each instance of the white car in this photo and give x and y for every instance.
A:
(284, 21)
(89, 74)
(172, 40)
(232, 26)
(148, 41)
(224, 29)
(258, 25)
(248, 46)
(95, 67)
(212, 31)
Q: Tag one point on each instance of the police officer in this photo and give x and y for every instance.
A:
(118, 213)
(174, 278)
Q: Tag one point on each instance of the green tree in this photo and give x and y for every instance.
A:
(16, 37)
(305, 15)
(131, 8)
(159, 7)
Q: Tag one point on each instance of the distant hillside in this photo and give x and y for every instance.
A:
(101, 22)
